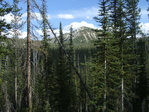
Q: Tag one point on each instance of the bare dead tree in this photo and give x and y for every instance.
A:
(29, 86)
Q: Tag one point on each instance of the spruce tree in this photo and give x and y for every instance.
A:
(100, 75)
(113, 57)
(46, 77)
(108, 65)
(16, 24)
(4, 27)
(141, 91)
(71, 73)
(132, 31)
(63, 95)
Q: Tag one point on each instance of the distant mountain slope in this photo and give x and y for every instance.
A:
(81, 35)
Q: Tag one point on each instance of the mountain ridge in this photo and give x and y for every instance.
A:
(80, 35)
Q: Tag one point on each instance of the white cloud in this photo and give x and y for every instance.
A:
(38, 16)
(23, 35)
(35, 15)
(65, 16)
(10, 18)
(24, 15)
(39, 32)
(7, 17)
(144, 27)
(86, 13)
(88, 17)
(66, 29)
(76, 25)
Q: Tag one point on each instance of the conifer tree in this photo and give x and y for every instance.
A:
(132, 31)
(107, 58)
(101, 56)
(71, 49)
(73, 98)
(113, 66)
(63, 96)
(16, 24)
(46, 53)
(4, 27)
(141, 101)
(46, 76)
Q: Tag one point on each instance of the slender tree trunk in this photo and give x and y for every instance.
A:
(122, 94)
(29, 87)
(16, 83)
(7, 106)
(105, 91)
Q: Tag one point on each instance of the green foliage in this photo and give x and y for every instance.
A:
(4, 9)
(63, 96)
(116, 56)
(116, 53)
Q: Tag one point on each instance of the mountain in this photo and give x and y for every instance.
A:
(81, 35)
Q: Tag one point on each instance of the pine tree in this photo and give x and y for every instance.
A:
(141, 100)
(16, 24)
(4, 27)
(46, 57)
(63, 96)
(107, 59)
(145, 78)
(46, 78)
(132, 31)
(72, 93)
(101, 57)
(113, 66)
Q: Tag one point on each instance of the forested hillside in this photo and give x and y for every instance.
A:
(85, 70)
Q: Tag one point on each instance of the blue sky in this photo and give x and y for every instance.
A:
(82, 10)
(79, 13)
(69, 11)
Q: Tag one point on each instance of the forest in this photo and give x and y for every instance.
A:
(108, 73)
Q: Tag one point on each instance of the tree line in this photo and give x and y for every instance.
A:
(109, 76)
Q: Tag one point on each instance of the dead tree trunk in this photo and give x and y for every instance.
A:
(29, 87)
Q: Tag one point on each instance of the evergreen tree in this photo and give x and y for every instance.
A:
(46, 78)
(100, 91)
(113, 56)
(119, 32)
(141, 100)
(72, 93)
(145, 78)
(4, 27)
(16, 24)
(46, 57)
(132, 31)
(63, 95)
(108, 65)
